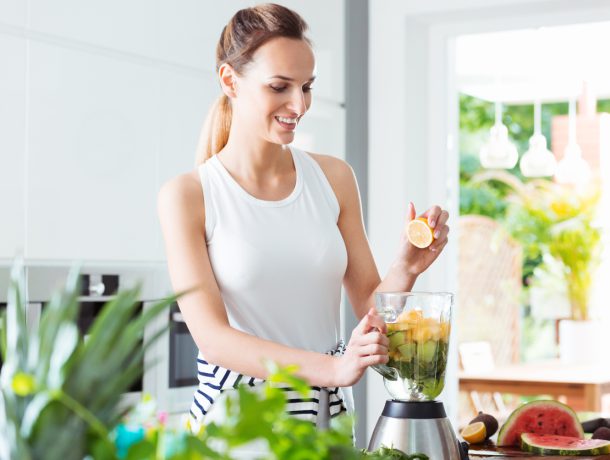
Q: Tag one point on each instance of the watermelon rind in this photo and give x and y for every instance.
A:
(563, 445)
(533, 417)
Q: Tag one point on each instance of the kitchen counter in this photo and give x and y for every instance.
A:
(490, 451)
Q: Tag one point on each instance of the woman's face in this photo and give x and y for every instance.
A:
(274, 91)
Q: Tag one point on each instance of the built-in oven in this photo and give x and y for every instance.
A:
(175, 374)
(2, 333)
(32, 318)
(96, 291)
(89, 308)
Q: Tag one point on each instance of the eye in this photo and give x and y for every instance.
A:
(277, 89)
(307, 89)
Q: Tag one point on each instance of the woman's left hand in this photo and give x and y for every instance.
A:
(416, 260)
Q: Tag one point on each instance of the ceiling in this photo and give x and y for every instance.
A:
(549, 63)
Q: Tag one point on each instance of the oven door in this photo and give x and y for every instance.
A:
(2, 332)
(32, 318)
(175, 373)
(89, 309)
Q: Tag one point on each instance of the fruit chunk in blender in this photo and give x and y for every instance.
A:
(418, 351)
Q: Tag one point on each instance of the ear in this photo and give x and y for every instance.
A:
(227, 75)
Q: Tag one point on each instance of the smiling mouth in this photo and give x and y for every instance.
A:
(287, 123)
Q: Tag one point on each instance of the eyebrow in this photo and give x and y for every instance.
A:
(282, 77)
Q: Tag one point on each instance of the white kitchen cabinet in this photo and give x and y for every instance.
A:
(93, 138)
(12, 146)
(13, 12)
(326, 20)
(185, 100)
(113, 108)
(190, 29)
(322, 130)
(126, 26)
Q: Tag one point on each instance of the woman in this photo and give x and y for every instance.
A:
(269, 233)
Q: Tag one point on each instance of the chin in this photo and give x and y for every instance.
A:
(283, 139)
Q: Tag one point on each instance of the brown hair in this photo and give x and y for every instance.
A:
(247, 31)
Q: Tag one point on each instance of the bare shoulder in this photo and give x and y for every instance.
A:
(339, 173)
(183, 192)
(333, 166)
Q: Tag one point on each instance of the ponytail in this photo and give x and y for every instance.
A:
(215, 131)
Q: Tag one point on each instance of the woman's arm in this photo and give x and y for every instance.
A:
(182, 215)
(362, 278)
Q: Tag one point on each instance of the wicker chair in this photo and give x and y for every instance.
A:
(488, 301)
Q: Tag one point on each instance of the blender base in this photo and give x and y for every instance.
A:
(417, 427)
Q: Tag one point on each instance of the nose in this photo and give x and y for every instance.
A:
(298, 102)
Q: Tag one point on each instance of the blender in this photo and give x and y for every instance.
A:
(418, 328)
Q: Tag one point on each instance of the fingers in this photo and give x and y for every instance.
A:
(442, 219)
(438, 245)
(437, 219)
(372, 349)
(371, 321)
(433, 215)
(441, 231)
(373, 337)
(371, 360)
(411, 214)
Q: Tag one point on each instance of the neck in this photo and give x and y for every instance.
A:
(253, 158)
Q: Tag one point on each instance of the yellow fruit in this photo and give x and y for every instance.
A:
(419, 233)
(474, 433)
(445, 329)
(410, 317)
(422, 334)
(393, 327)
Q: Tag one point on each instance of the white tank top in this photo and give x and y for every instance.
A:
(280, 267)
(279, 264)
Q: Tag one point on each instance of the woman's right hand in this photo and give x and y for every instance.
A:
(367, 346)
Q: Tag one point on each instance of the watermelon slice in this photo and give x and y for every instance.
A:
(549, 444)
(540, 417)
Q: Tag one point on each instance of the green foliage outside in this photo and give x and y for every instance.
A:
(546, 221)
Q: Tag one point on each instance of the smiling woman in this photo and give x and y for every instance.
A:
(277, 233)
(276, 68)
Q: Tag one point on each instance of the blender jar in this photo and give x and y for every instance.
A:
(418, 328)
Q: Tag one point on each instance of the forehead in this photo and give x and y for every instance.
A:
(284, 56)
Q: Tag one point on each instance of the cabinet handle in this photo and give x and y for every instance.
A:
(177, 317)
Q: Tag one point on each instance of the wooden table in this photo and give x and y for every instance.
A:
(581, 385)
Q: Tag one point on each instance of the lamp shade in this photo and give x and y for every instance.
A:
(538, 161)
(498, 152)
(572, 168)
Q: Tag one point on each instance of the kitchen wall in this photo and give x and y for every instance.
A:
(102, 102)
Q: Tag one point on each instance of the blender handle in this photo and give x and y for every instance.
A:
(385, 371)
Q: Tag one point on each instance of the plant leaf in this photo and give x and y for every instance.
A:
(32, 412)
(67, 341)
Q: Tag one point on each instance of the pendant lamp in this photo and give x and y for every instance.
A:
(498, 152)
(572, 168)
(538, 161)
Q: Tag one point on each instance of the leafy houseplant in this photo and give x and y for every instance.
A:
(60, 395)
(557, 221)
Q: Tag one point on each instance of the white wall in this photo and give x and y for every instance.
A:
(103, 101)
(413, 121)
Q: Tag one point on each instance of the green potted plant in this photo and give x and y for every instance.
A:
(556, 226)
(60, 396)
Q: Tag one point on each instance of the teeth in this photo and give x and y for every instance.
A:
(287, 120)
